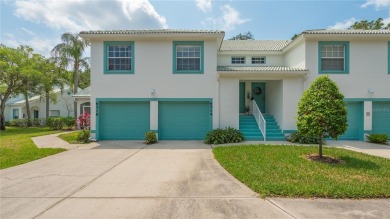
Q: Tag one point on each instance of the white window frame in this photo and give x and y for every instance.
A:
(190, 55)
(238, 60)
(51, 113)
(259, 60)
(86, 107)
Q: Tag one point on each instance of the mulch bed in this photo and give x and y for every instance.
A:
(324, 159)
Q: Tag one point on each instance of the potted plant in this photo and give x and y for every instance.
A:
(247, 110)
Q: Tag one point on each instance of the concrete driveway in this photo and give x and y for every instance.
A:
(171, 179)
(126, 179)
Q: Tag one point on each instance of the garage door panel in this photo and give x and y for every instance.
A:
(124, 120)
(381, 117)
(184, 120)
(354, 120)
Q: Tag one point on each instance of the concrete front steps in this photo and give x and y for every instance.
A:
(251, 131)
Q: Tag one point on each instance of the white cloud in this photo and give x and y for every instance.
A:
(40, 45)
(76, 15)
(386, 21)
(231, 17)
(29, 32)
(343, 24)
(228, 21)
(204, 5)
(377, 3)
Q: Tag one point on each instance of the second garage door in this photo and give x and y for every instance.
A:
(355, 116)
(124, 120)
(184, 120)
(381, 117)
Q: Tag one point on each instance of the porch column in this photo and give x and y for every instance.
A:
(367, 117)
(154, 116)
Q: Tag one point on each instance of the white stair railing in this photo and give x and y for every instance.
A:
(259, 119)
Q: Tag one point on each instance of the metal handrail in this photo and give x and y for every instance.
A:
(259, 119)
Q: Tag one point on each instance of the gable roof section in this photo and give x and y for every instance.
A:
(34, 98)
(86, 92)
(254, 45)
(346, 32)
(259, 68)
(151, 31)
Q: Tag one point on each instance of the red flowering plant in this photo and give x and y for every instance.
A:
(84, 121)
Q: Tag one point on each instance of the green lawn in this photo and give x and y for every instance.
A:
(16, 146)
(281, 171)
(72, 138)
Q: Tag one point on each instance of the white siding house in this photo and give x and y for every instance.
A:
(16, 107)
(183, 83)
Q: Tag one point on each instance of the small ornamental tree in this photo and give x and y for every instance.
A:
(322, 111)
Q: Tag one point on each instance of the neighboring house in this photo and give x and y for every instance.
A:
(183, 83)
(16, 107)
(83, 101)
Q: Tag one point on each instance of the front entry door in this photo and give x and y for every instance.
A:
(258, 94)
(242, 97)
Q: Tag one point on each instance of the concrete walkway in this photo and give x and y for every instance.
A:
(363, 147)
(171, 179)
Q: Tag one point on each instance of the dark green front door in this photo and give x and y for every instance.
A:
(258, 94)
(381, 118)
(242, 97)
(124, 120)
(184, 120)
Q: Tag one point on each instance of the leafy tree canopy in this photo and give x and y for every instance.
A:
(322, 111)
(370, 25)
(246, 36)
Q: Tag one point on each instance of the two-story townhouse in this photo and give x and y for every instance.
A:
(160, 80)
(183, 83)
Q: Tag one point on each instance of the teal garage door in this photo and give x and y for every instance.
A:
(124, 120)
(183, 120)
(355, 116)
(381, 117)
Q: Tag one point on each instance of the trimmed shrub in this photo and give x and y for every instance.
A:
(223, 136)
(69, 121)
(83, 135)
(298, 137)
(150, 137)
(378, 138)
(18, 122)
(23, 122)
(55, 123)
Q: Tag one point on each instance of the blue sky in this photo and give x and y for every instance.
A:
(39, 23)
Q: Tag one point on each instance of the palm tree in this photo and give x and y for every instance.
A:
(53, 78)
(70, 51)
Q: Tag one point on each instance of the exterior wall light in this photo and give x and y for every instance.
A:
(153, 93)
(370, 91)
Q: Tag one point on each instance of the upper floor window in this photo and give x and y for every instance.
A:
(118, 57)
(258, 60)
(333, 57)
(188, 57)
(238, 60)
